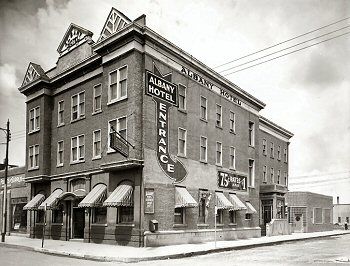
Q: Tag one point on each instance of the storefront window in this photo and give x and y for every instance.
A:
(219, 214)
(99, 215)
(57, 215)
(248, 216)
(233, 217)
(202, 206)
(179, 217)
(40, 216)
(125, 214)
(19, 218)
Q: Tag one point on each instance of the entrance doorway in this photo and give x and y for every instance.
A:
(298, 219)
(78, 222)
(267, 213)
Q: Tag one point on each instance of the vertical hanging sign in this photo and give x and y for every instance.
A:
(164, 93)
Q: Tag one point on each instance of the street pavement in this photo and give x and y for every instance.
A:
(101, 252)
(332, 250)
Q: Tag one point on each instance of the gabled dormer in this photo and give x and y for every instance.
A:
(34, 72)
(116, 20)
(74, 36)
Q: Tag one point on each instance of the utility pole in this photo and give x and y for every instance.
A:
(4, 209)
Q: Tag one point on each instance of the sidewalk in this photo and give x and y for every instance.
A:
(101, 252)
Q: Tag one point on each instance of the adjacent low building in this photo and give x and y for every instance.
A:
(341, 213)
(309, 212)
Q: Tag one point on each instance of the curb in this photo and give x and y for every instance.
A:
(162, 257)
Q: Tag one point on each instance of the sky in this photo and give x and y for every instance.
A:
(306, 92)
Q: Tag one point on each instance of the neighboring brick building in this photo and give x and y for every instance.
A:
(273, 170)
(193, 135)
(310, 212)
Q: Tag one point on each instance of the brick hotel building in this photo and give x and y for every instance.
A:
(132, 141)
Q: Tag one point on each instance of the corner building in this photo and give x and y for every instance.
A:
(132, 141)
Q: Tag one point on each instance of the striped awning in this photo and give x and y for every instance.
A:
(222, 202)
(250, 208)
(95, 197)
(34, 203)
(183, 198)
(51, 201)
(237, 203)
(121, 196)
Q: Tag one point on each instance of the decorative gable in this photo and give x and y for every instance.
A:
(74, 36)
(116, 20)
(34, 72)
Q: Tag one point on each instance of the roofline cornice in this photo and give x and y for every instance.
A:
(275, 127)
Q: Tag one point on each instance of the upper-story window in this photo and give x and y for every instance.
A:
(96, 149)
(78, 149)
(251, 133)
(181, 144)
(278, 176)
(285, 155)
(232, 122)
(60, 153)
(203, 149)
(272, 175)
(97, 98)
(272, 150)
(34, 119)
(265, 174)
(279, 152)
(78, 105)
(251, 173)
(218, 153)
(232, 158)
(119, 125)
(218, 115)
(118, 84)
(264, 148)
(182, 97)
(60, 113)
(33, 157)
(204, 113)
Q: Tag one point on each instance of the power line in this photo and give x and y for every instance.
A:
(318, 181)
(316, 175)
(286, 54)
(282, 42)
(284, 49)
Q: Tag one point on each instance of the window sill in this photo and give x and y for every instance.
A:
(60, 125)
(33, 131)
(33, 169)
(125, 225)
(77, 162)
(232, 224)
(182, 110)
(78, 119)
(57, 224)
(219, 127)
(218, 165)
(101, 225)
(179, 225)
(251, 187)
(203, 120)
(97, 112)
(59, 165)
(96, 158)
(117, 100)
(232, 169)
(181, 156)
(205, 162)
(251, 146)
(219, 225)
(233, 132)
(202, 225)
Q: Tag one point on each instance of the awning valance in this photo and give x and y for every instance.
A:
(250, 208)
(34, 203)
(51, 201)
(222, 202)
(95, 197)
(183, 198)
(237, 203)
(121, 196)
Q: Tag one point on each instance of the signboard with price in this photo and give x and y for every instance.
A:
(232, 181)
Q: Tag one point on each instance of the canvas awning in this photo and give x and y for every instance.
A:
(222, 202)
(121, 196)
(250, 208)
(80, 193)
(237, 203)
(34, 203)
(51, 201)
(95, 197)
(183, 198)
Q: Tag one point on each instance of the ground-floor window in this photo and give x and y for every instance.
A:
(40, 216)
(202, 206)
(233, 217)
(219, 214)
(248, 216)
(125, 214)
(19, 217)
(179, 216)
(99, 215)
(57, 215)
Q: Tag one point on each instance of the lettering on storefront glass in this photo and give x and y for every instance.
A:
(232, 181)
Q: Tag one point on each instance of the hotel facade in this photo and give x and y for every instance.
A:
(132, 141)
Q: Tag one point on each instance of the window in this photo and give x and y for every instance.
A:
(182, 97)
(272, 175)
(285, 155)
(218, 153)
(118, 84)
(264, 147)
(97, 98)
(251, 174)
(181, 142)
(233, 218)
(285, 179)
(60, 153)
(57, 215)
(264, 174)
(40, 216)
(78, 149)
(248, 216)
(327, 216)
(317, 215)
(34, 119)
(125, 214)
(278, 176)
(203, 149)
(60, 113)
(251, 133)
(272, 150)
(232, 122)
(218, 115)
(34, 157)
(179, 216)
(279, 152)
(347, 219)
(96, 144)
(78, 106)
(219, 215)
(232, 158)
(202, 210)
(99, 215)
(119, 125)
(339, 220)
(203, 108)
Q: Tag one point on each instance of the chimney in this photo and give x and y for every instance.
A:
(337, 199)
